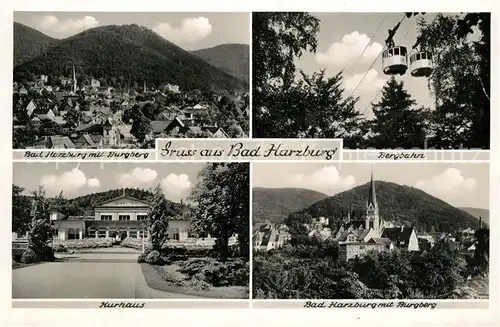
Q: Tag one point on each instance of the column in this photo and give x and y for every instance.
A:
(80, 234)
(128, 233)
(107, 233)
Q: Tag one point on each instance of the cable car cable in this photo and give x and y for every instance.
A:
(370, 41)
(374, 61)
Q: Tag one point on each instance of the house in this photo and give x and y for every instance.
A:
(30, 108)
(172, 88)
(216, 132)
(166, 127)
(196, 111)
(59, 142)
(116, 218)
(267, 236)
(404, 238)
(89, 141)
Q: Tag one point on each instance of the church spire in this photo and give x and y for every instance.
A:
(372, 197)
(74, 80)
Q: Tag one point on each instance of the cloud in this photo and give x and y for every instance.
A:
(68, 181)
(93, 182)
(191, 30)
(347, 51)
(325, 179)
(449, 183)
(370, 82)
(52, 25)
(175, 186)
(137, 176)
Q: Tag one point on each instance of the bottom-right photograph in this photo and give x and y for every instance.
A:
(370, 231)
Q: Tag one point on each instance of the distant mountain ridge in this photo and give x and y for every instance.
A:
(126, 53)
(232, 58)
(396, 202)
(478, 212)
(275, 204)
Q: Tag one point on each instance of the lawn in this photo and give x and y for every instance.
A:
(168, 278)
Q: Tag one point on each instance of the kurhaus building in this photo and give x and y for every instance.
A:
(117, 218)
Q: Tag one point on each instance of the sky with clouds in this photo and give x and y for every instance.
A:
(342, 38)
(189, 30)
(461, 184)
(175, 179)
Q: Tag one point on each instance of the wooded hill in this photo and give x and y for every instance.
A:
(399, 203)
(275, 204)
(232, 58)
(128, 53)
(29, 43)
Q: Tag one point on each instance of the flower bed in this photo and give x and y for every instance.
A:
(135, 243)
(86, 243)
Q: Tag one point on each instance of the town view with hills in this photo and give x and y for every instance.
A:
(378, 239)
(123, 86)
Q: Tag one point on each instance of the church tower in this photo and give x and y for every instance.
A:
(372, 218)
(74, 80)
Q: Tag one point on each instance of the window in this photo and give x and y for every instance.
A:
(55, 232)
(142, 217)
(92, 233)
(361, 247)
(351, 238)
(124, 217)
(174, 234)
(102, 233)
(132, 233)
(396, 51)
(73, 233)
(143, 234)
(106, 217)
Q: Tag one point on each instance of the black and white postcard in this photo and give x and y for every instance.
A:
(361, 231)
(102, 80)
(376, 80)
(123, 231)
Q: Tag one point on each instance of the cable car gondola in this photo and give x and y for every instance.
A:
(421, 64)
(394, 61)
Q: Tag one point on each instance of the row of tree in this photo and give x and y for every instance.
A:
(315, 106)
(313, 271)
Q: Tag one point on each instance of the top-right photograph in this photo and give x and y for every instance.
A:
(376, 80)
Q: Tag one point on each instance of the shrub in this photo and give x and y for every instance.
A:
(60, 248)
(154, 258)
(217, 273)
(29, 256)
(47, 254)
(17, 254)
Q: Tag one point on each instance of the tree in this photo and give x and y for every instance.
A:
(158, 219)
(20, 210)
(397, 123)
(481, 258)
(460, 81)
(41, 227)
(23, 137)
(141, 127)
(73, 118)
(222, 205)
(279, 38)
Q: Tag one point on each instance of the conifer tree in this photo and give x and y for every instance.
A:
(158, 219)
(397, 124)
(41, 227)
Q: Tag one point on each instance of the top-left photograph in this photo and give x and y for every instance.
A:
(111, 80)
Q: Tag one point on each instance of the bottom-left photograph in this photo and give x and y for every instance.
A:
(130, 231)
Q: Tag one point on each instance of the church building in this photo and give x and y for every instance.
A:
(358, 237)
